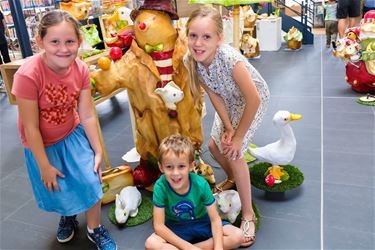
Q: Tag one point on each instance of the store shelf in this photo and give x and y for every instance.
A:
(9, 69)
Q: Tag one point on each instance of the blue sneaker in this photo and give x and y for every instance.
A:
(102, 239)
(67, 226)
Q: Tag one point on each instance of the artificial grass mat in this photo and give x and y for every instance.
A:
(144, 214)
(237, 223)
(257, 171)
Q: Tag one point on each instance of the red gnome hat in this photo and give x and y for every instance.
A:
(368, 25)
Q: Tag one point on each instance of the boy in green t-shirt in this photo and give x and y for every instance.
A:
(185, 215)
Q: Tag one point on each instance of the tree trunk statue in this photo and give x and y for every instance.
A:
(156, 79)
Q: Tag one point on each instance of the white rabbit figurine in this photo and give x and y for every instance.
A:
(228, 204)
(127, 204)
(171, 94)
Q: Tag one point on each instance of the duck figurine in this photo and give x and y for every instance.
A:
(282, 151)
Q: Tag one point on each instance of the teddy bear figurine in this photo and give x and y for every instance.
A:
(154, 61)
(205, 171)
(249, 46)
(80, 9)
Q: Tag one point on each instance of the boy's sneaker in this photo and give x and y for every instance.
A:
(67, 226)
(102, 239)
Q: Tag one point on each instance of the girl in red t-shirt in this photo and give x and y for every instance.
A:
(58, 128)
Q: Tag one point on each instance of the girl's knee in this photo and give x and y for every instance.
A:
(211, 145)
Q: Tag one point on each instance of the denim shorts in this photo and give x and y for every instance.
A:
(193, 231)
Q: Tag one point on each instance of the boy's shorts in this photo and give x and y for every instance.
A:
(193, 231)
(347, 8)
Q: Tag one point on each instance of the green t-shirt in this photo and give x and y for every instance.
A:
(178, 207)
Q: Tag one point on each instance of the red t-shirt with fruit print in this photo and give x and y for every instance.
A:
(57, 96)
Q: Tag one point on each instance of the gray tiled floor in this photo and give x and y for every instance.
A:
(333, 209)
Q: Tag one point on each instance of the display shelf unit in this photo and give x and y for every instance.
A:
(32, 12)
(9, 69)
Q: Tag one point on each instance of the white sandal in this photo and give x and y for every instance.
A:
(246, 234)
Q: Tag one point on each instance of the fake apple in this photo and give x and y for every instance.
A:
(115, 53)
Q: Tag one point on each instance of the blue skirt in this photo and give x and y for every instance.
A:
(80, 189)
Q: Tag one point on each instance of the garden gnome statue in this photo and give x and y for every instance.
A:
(156, 79)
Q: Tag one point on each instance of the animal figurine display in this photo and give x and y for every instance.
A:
(205, 171)
(293, 38)
(282, 151)
(249, 46)
(228, 204)
(154, 59)
(347, 50)
(357, 49)
(80, 9)
(358, 77)
(127, 204)
(171, 94)
(250, 18)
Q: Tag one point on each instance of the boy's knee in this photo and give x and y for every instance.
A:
(152, 242)
(238, 236)
(235, 234)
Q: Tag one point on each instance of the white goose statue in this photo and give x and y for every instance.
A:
(282, 151)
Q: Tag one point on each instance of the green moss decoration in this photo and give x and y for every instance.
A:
(257, 171)
(144, 214)
(237, 223)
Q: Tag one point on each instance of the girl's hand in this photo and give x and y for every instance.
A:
(236, 148)
(48, 175)
(227, 143)
(98, 165)
(233, 152)
(226, 137)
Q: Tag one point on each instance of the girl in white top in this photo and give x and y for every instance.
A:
(239, 95)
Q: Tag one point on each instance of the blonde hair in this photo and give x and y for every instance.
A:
(178, 144)
(55, 17)
(214, 15)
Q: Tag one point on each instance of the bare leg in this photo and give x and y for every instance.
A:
(220, 158)
(239, 171)
(93, 216)
(353, 21)
(232, 239)
(341, 27)
(242, 179)
(156, 242)
(328, 37)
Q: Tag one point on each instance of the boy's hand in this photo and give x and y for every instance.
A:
(48, 175)
(98, 159)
